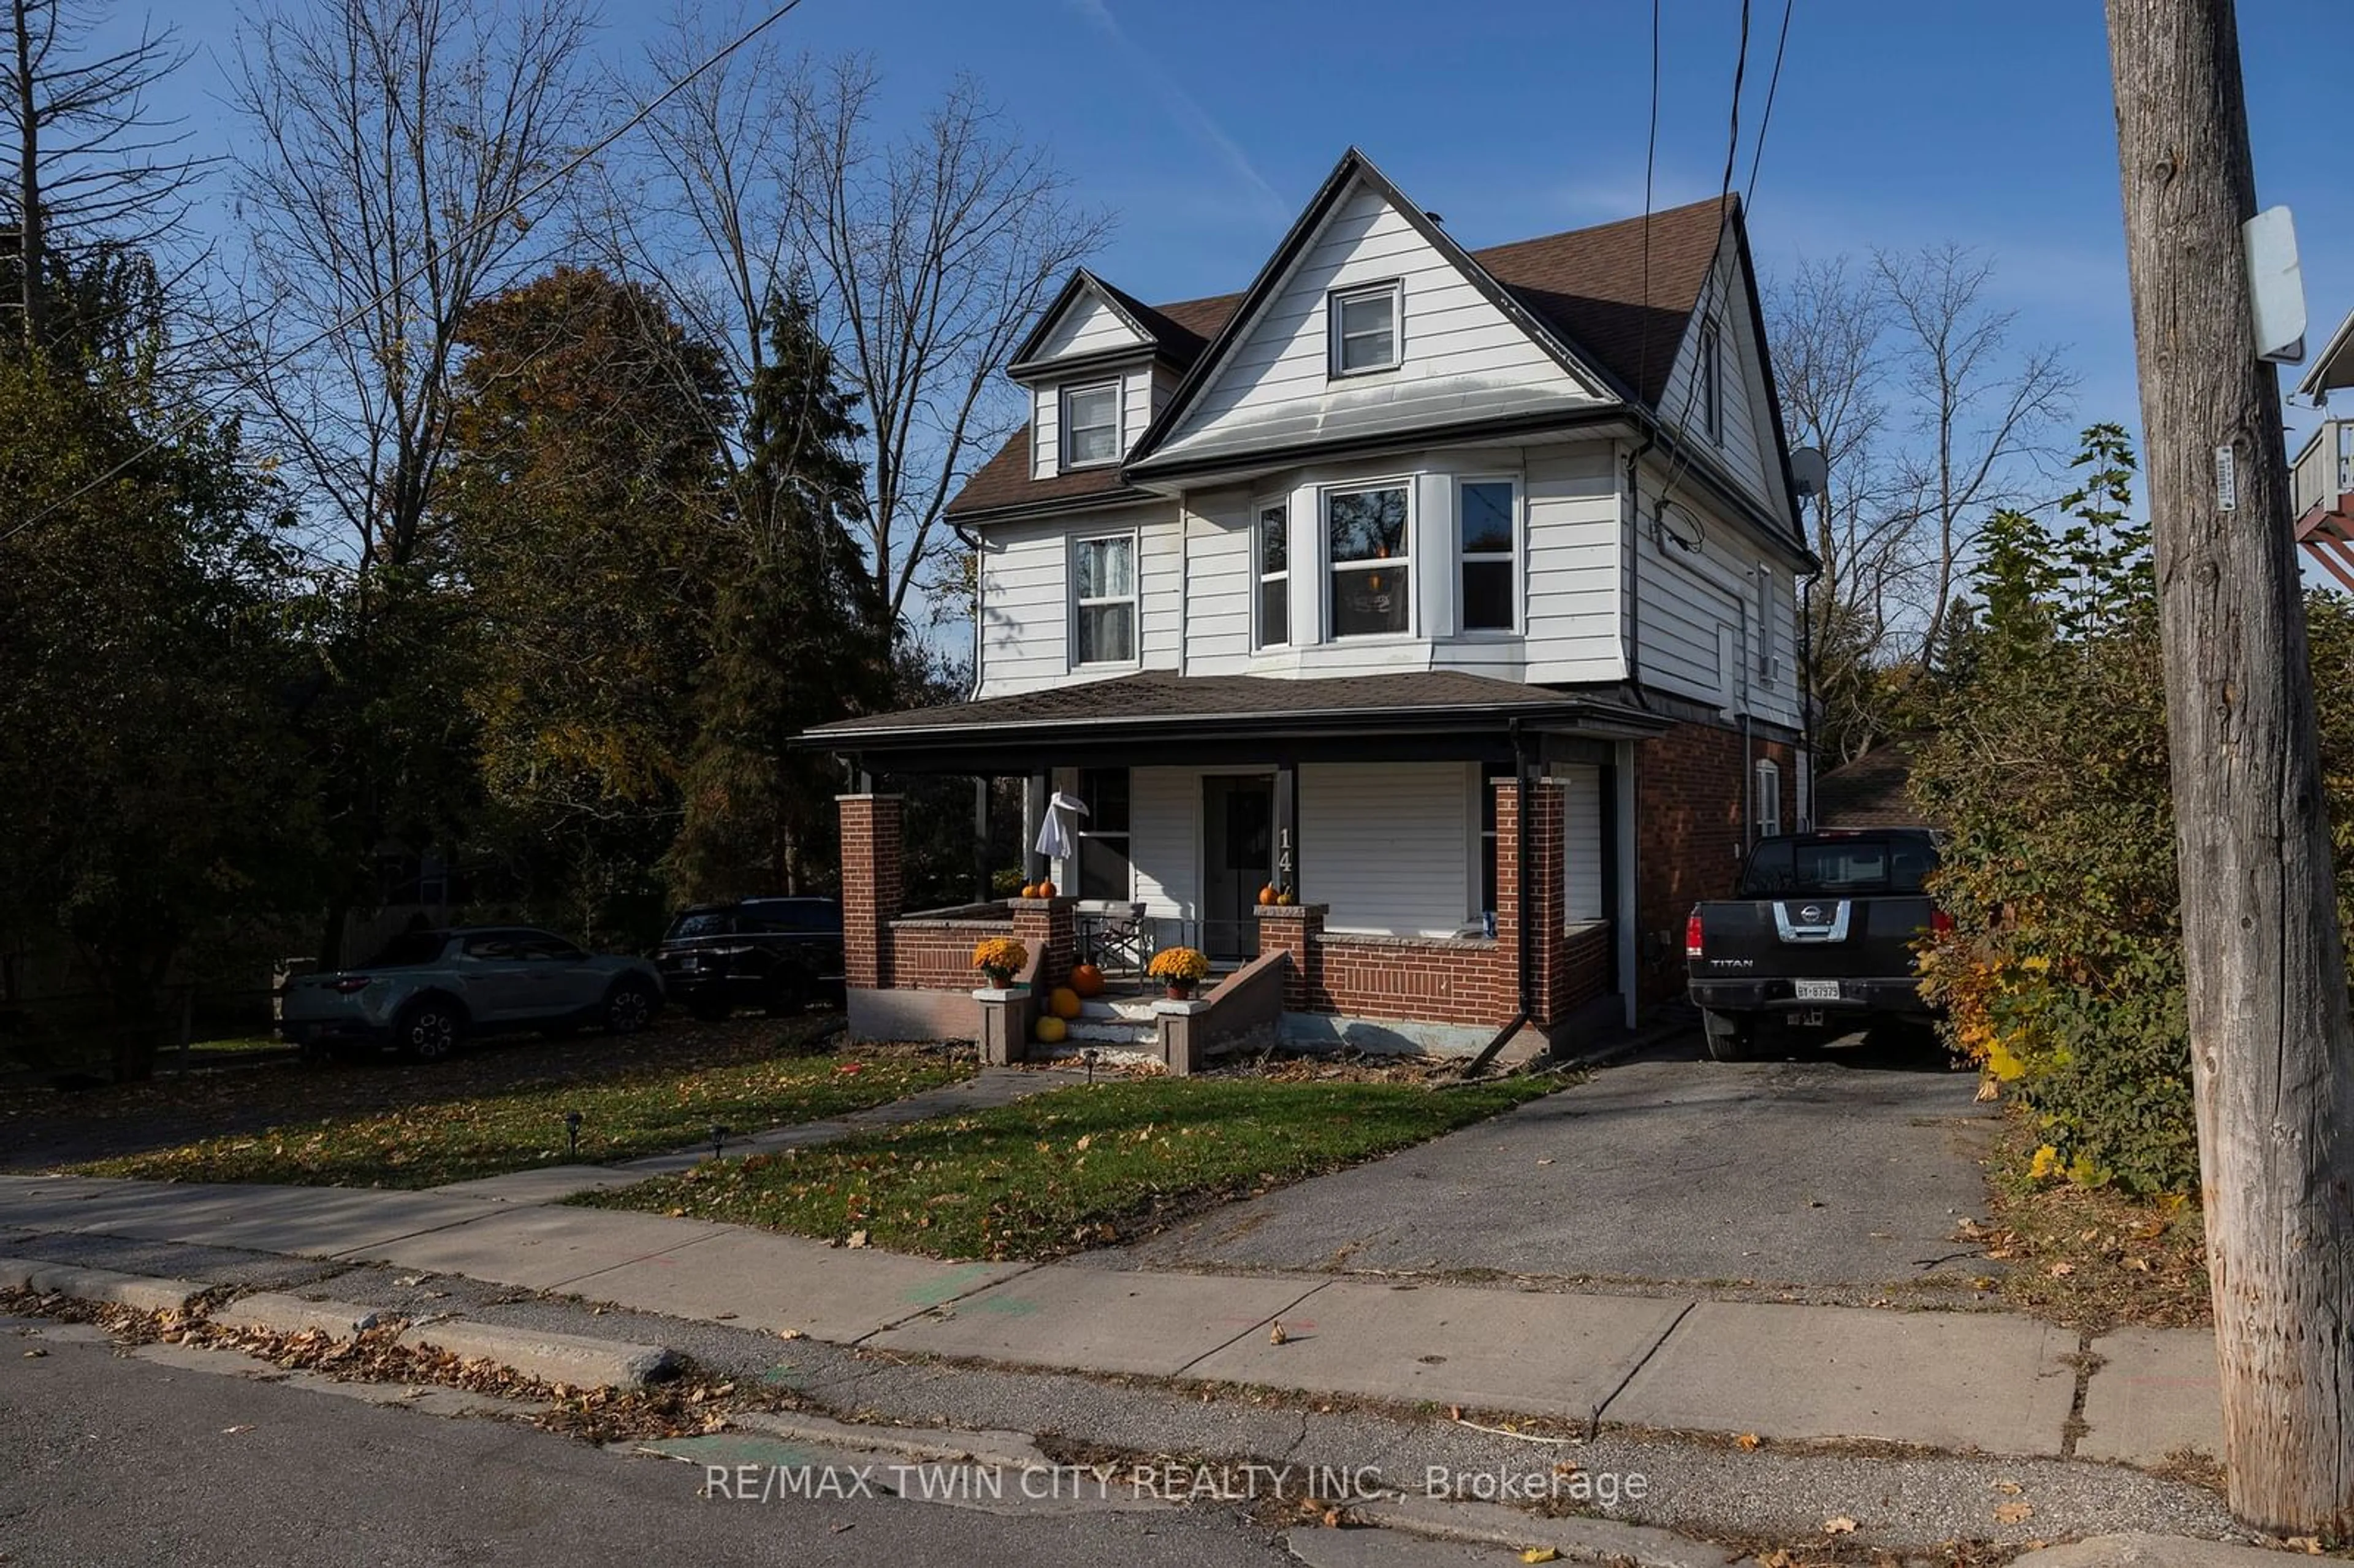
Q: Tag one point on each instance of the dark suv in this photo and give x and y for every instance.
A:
(778, 953)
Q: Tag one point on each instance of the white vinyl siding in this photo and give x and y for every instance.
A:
(1463, 357)
(1573, 572)
(1698, 619)
(1389, 845)
(1582, 840)
(1164, 836)
(1161, 568)
(1025, 606)
(1090, 325)
(1046, 432)
(1743, 444)
(1218, 583)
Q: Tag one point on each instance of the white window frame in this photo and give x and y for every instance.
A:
(1324, 496)
(1119, 406)
(1766, 801)
(1711, 371)
(1133, 598)
(1260, 577)
(1336, 305)
(1462, 556)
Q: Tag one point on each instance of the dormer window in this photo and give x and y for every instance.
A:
(1366, 334)
(1091, 425)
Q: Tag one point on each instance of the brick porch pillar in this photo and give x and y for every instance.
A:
(873, 885)
(1297, 931)
(1046, 927)
(1545, 906)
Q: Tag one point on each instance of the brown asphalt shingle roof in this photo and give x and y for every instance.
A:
(1588, 285)
(1156, 695)
(1869, 792)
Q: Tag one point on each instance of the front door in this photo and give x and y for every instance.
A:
(1238, 860)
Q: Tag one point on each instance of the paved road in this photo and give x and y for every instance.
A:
(1836, 1173)
(109, 1461)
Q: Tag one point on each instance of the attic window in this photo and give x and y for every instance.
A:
(1091, 425)
(1712, 381)
(1365, 328)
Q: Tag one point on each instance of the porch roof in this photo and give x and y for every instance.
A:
(1155, 716)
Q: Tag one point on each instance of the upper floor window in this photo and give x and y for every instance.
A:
(1103, 580)
(1091, 425)
(1712, 381)
(1372, 579)
(1365, 328)
(1274, 569)
(1488, 514)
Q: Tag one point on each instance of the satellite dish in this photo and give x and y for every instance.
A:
(1809, 472)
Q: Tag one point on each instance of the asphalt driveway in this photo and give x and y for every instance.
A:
(1830, 1177)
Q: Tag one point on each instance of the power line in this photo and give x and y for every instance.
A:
(1682, 461)
(1650, 160)
(1773, 83)
(206, 407)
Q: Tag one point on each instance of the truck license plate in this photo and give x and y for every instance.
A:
(1818, 990)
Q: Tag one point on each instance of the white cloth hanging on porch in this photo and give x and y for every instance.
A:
(1054, 831)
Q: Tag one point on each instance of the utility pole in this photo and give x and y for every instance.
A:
(2271, 1044)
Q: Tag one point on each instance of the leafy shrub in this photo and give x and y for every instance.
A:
(2063, 976)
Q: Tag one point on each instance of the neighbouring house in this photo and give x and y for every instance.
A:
(1451, 591)
(1872, 791)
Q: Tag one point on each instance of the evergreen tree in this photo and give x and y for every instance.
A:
(801, 633)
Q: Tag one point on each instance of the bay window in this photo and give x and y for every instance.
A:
(1273, 567)
(1371, 574)
(1487, 530)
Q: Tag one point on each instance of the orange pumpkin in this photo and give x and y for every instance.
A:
(1029, 890)
(1267, 894)
(1063, 1002)
(1087, 980)
(1045, 890)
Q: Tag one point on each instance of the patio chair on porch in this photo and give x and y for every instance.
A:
(1113, 936)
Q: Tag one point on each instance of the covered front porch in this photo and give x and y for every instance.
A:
(1362, 835)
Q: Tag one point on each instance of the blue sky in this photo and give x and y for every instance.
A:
(1205, 124)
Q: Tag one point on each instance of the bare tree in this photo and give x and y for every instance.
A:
(932, 256)
(93, 168)
(1902, 374)
(394, 150)
(1980, 415)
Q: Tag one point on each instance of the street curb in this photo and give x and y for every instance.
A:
(1588, 1540)
(274, 1312)
(570, 1359)
(143, 1292)
(937, 1444)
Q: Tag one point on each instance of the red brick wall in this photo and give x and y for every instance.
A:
(1691, 788)
(873, 885)
(1585, 968)
(1046, 928)
(937, 955)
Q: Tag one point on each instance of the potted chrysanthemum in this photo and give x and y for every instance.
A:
(999, 959)
(1179, 969)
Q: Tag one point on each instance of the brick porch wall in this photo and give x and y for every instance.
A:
(937, 955)
(1690, 787)
(873, 885)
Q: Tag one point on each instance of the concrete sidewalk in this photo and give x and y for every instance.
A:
(1996, 1383)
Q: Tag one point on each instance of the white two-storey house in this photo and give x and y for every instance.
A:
(1311, 587)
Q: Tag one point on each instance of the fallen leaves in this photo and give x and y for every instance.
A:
(1842, 1525)
(1746, 1442)
(2013, 1512)
(1539, 1554)
(1275, 1336)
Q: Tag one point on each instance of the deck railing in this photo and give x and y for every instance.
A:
(2324, 468)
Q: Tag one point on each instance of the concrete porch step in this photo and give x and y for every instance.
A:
(1117, 1009)
(1123, 1032)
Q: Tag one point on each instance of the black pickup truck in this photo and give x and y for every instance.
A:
(1819, 933)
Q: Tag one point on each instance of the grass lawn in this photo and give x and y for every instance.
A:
(1074, 1168)
(647, 1102)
